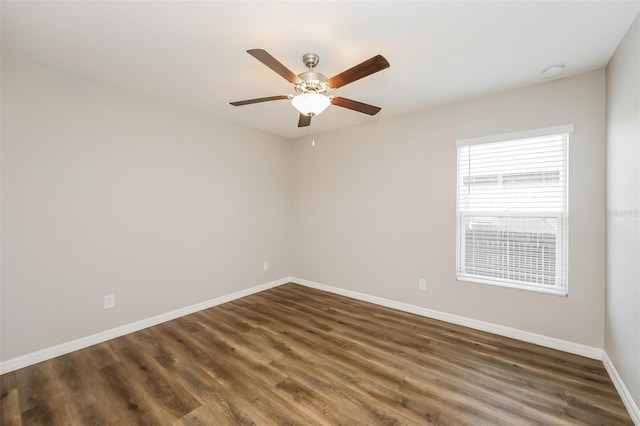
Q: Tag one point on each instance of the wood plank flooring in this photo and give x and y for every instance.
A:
(297, 356)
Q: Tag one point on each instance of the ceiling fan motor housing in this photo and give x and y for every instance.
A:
(312, 81)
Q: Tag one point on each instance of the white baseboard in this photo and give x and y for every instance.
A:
(538, 339)
(84, 342)
(625, 395)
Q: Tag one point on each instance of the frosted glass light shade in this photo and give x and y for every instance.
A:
(310, 103)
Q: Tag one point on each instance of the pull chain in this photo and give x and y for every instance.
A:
(313, 138)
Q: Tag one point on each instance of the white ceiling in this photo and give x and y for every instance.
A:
(193, 53)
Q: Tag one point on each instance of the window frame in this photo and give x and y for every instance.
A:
(562, 218)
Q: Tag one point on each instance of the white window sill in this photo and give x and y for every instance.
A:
(560, 292)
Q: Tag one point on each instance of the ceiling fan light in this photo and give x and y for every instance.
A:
(310, 104)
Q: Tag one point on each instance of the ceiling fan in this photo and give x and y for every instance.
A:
(313, 89)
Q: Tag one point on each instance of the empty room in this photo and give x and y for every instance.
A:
(320, 213)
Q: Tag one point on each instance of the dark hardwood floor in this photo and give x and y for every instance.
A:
(297, 356)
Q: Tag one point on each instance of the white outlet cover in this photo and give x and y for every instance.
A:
(265, 265)
(422, 284)
(109, 301)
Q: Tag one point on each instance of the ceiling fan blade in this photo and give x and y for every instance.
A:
(264, 57)
(304, 120)
(257, 100)
(355, 105)
(368, 67)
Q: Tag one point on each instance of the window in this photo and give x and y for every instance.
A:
(512, 209)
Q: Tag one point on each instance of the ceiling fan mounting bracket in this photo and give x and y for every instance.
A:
(310, 60)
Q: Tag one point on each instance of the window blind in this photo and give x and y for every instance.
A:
(512, 208)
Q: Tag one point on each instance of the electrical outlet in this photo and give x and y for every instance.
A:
(109, 301)
(265, 265)
(422, 284)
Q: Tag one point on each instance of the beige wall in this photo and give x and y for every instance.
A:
(374, 208)
(108, 192)
(622, 337)
(105, 191)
